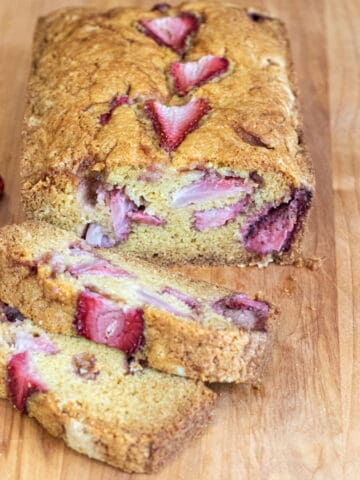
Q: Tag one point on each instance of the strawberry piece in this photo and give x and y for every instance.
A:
(244, 312)
(26, 342)
(156, 301)
(120, 206)
(193, 74)
(172, 124)
(217, 217)
(211, 187)
(173, 32)
(189, 301)
(114, 103)
(142, 217)
(21, 380)
(96, 238)
(123, 211)
(98, 267)
(103, 321)
(274, 228)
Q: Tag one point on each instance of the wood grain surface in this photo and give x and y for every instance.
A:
(305, 421)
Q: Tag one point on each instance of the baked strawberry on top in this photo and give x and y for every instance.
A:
(173, 32)
(173, 124)
(186, 75)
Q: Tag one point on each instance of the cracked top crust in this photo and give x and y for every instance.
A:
(83, 58)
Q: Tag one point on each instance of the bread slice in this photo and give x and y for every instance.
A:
(189, 328)
(89, 395)
(172, 134)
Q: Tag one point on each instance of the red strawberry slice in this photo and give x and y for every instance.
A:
(173, 32)
(150, 298)
(120, 206)
(172, 124)
(273, 229)
(217, 217)
(98, 267)
(22, 382)
(193, 74)
(26, 342)
(103, 321)
(211, 187)
(142, 217)
(123, 211)
(244, 312)
(189, 301)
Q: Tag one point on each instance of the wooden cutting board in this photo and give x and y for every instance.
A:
(305, 421)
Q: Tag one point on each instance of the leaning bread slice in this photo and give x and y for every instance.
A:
(132, 418)
(179, 326)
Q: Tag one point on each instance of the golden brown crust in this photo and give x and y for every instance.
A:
(187, 348)
(72, 80)
(206, 354)
(125, 448)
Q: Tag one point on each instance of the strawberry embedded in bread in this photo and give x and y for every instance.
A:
(98, 266)
(22, 381)
(273, 230)
(123, 212)
(101, 405)
(211, 186)
(176, 325)
(217, 217)
(245, 312)
(22, 378)
(187, 299)
(173, 124)
(120, 206)
(143, 217)
(103, 321)
(186, 75)
(25, 342)
(173, 32)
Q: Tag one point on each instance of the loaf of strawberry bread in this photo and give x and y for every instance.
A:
(118, 412)
(176, 325)
(172, 133)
